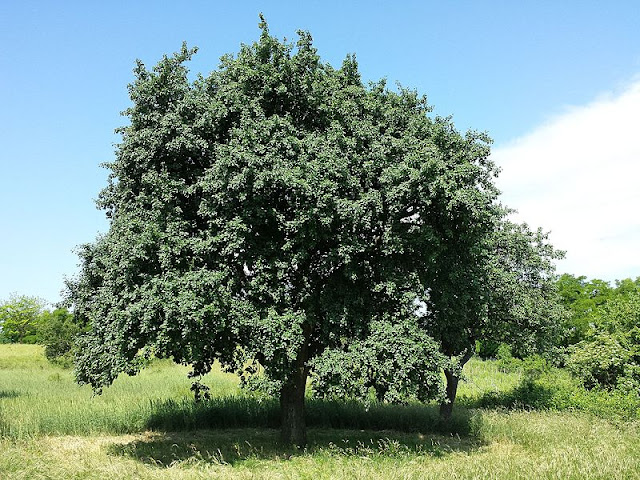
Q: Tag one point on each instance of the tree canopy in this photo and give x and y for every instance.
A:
(584, 300)
(20, 318)
(280, 208)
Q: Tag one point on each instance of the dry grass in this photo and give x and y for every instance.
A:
(524, 445)
(41, 408)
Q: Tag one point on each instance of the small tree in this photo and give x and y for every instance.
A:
(501, 289)
(495, 286)
(20, 318)
(582, 299)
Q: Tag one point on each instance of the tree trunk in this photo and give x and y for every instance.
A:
(453, 377)
(446, 407)
(293, 429)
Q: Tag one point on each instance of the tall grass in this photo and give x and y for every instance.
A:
(39, 398)
(481, 377)
(45, 400)
(148, 427)
(543, 387)
(246, 411)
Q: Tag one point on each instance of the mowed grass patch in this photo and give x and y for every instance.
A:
(515, 445)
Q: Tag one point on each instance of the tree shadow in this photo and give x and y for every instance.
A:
(528, 395)
(237, 446)
(235, 429)
(244, 411)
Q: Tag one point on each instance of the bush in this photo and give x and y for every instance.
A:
(600, 362)
(610, 357)
(544, 387)
(57, 333)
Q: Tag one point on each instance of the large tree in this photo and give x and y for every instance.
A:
(273, 210)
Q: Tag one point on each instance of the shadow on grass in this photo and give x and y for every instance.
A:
(528, 395)
(228, 430)
(237, 446)
(250, 412)
(9, 394)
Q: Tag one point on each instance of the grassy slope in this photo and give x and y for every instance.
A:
(51, 428)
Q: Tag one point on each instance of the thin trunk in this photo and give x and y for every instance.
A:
(453, 378)
(446, 407)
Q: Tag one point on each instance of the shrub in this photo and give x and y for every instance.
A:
(610, 358)
(550, 388)
(57, 333)
(600, 362)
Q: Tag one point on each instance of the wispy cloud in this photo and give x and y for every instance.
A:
(579, 177)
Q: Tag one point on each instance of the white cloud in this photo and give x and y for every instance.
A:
(579, 177)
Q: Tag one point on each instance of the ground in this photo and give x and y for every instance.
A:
(147, 427)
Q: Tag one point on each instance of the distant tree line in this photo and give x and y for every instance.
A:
(25, 319)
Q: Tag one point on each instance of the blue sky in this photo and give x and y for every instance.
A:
(556, 84)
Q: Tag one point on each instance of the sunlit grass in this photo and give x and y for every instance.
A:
(148, 427)
(38, 398)
(481, 377)
(517, 445)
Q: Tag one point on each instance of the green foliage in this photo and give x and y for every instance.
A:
(20, 319)
(545, 387)
(584, 299)
(487, 349)
(58, 332)
(522, 303)
(278, 208)
(398, 363)
(603, 332)
(505, 295)
(610, 355)
(600, 362)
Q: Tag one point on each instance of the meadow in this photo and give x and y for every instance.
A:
(509, 423)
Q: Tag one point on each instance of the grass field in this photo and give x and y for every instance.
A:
(147, 427)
